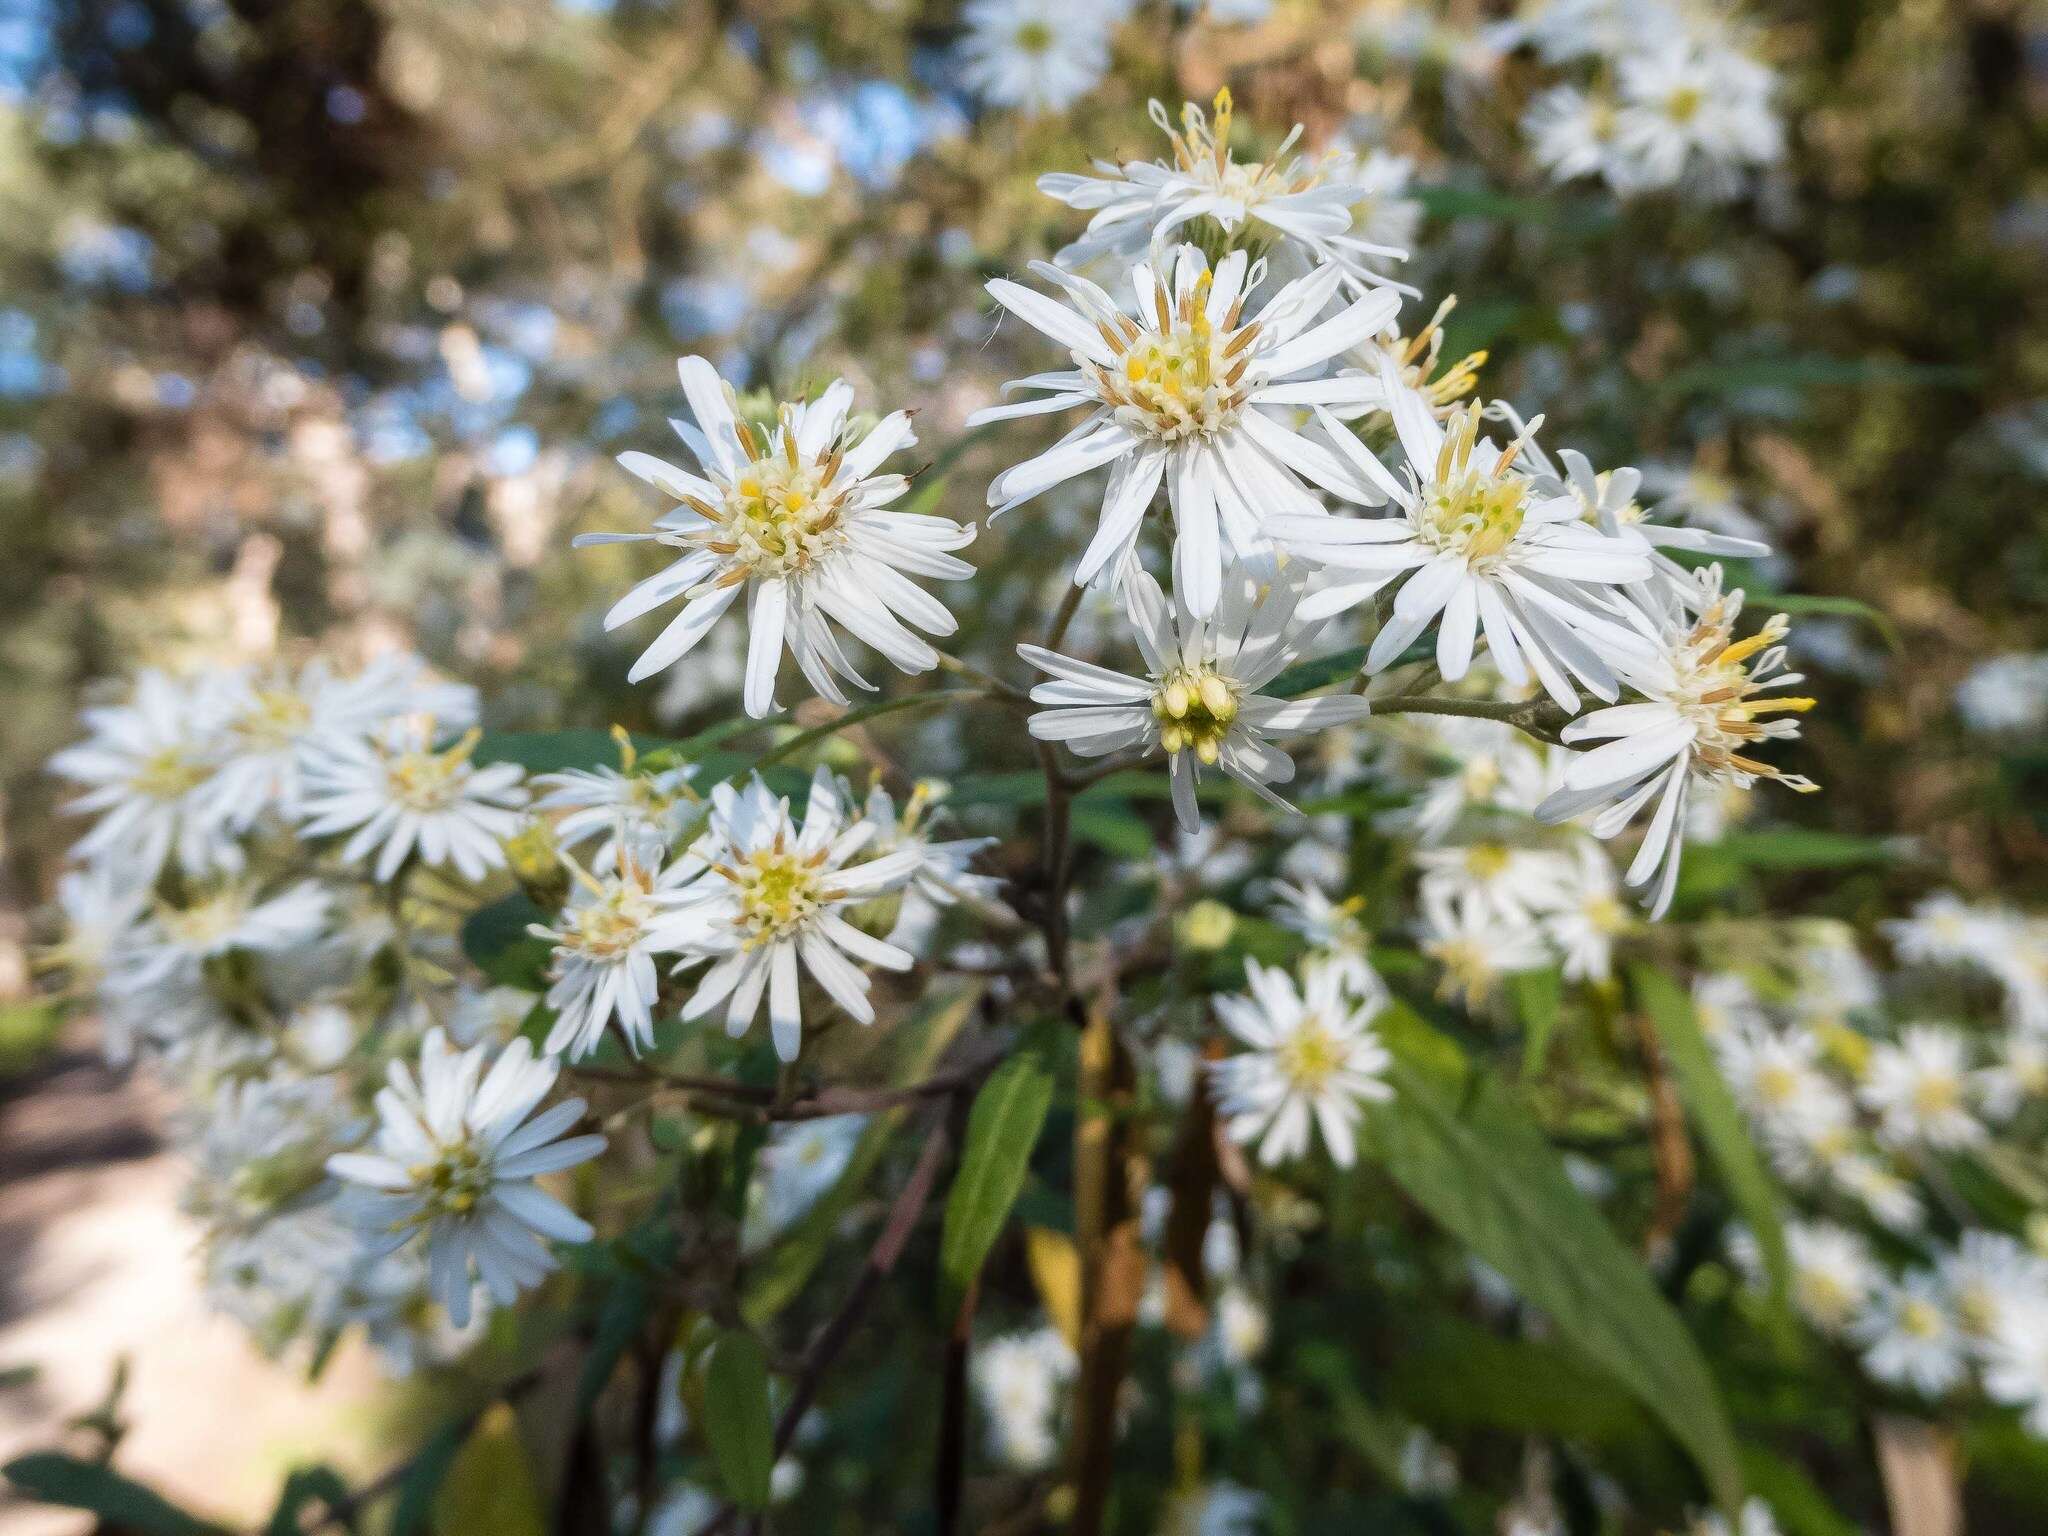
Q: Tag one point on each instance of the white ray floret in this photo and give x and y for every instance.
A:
(454, 1161)
(624, 808)
(1306, 210)
(1194, 391)
(1479, 546)
(1198, 700)
(1034, 55)
(798, 519)
(772, 906)
(1313, 1062)
(1705, 707)
(1922, 1091)
(398, 794)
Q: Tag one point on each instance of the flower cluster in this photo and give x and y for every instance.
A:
(1657, 96)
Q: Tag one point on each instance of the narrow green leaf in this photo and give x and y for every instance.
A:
(1793, 848)
(1714, 1114)
(50, 1477)
(1833, 606)
(495, 938)
(1802, 1509)
(1002, 1128)
(1537, 995)
(1485, 1172)
(317, 1487)
(737, 1418)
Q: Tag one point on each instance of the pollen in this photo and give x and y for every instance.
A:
(1195, 709)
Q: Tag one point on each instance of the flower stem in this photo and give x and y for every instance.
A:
(1540, 718)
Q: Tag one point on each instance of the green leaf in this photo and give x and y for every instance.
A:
(496, 940)
(1793, 848)
(737, 1419)
(1307, 676)
(1837, 607)
(321, 1487)
(804, 740)
(552, 751)
(490, 1486)
(1715, 1115)
(618, 1324)
(424, 1477)
(1486, 1174)
(1537, 995)
(1802, 1509)
(49, 1477)
(1002, 1128)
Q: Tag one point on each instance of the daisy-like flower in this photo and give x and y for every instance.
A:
(1909, 1335)
(145, 766)
(1199, 700)
(1493, 767)
(799, 520)
(1332, 929)
(1511, 883)
(1573, 133)
(1301, 209)
(769, 908)
(101, 907)
(454, 1161)
(605, 940)
(944, 871)
(1724, 1003)
(1694, 115)
(1991, 1278)
(397, 794)
(2015, 1363)
(1183, 391)
(172, 948)
(1018, 1379)
(1921, 1090)
(1607, 500)
(628, 810)
(794, 1169)
(1833, 1273)
(1704, 710)
(1585, 916)
(1888, 1197)
(1775, 1074)
(1478, 546)
(1417, 361)
(1753, 1519)
(274, 719)
(1943, 929)
(1034, 55)
(2018, 1075)
(1313, 1061)
(1477, 948)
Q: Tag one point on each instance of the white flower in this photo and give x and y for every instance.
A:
(1182, 391)
(1909, 1336)
(1607, 499)
(173, 946)
(1302, 208)
(258, 1146)
(1332, 929)
(1694, 114)
(1724, 1003)
(102, 906)
(606, 938)
(1833, 1273)
(1493, 767)
(1018, 1379)
(1946, 930)
(1199, 699)
(1478, 546)
(1219, 1508)
(1888, 1197)
(1035, 55)
(798, 519)
(397, 794)
(2015, 1363)
(636, 811)
(1776, 1075)
(1833, 979)
(768, 909)
(1991, 1279)
(1510, 883)
(1921, 1090)
(1313, 1061)
(1585, 916)
(1241, 1327)
(944, 869)
(794, 1169)
(1698, 720)
(1572, 134)
(455, 1159)
(2005, 694)
(2017, 1077)
(1476, 948)
(274, 720)
(145, 767)
(1754, 1519)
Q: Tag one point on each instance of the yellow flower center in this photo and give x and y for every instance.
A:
(1777, 1084)
(1310, 1056)
(1195, 708)
(1684, 104)
(779, 517)
(425, 780)
(1487, 861)
(1473, 509)
(1176, 375)
(1937, 1094)
(1977, 1310)
(452, 1184)
(778, 890)
(276, 720)
(205, 925)
(169, 773)
(1823, 1295)
(1034, 37)
(1920, 1319)
(610, 927)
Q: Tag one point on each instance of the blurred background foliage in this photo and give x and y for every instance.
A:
(321, 319)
